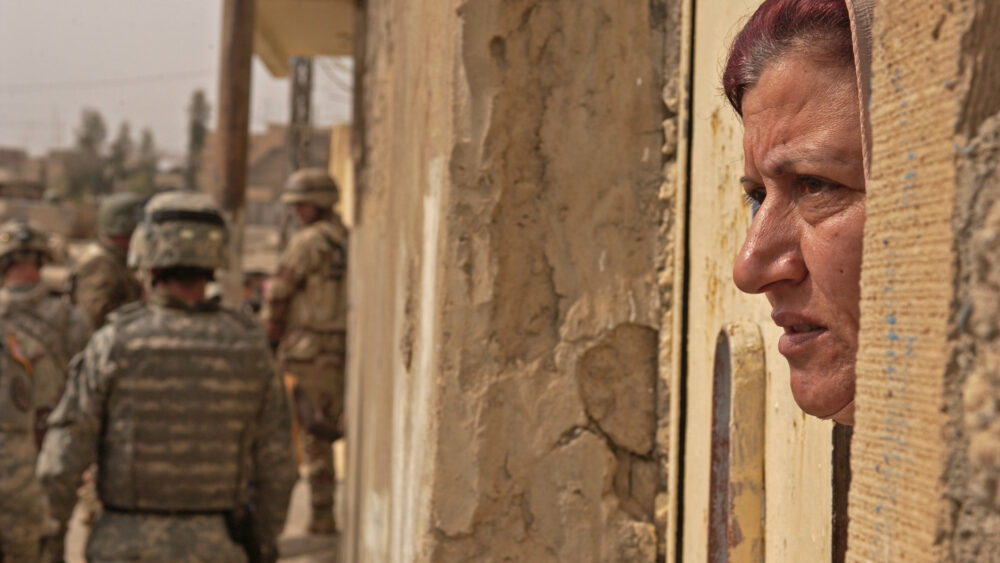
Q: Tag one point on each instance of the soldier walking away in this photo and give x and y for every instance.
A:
(101, 280)
(101, 283)
(178, 403)
(23, 506)
(27, 305)
(304, 312)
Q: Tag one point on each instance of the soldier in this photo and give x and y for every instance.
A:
(304, 313)
(25, 303)
(23, 507)
(101, 280)
(178, 403)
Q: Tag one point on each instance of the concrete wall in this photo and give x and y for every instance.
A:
(507, 312)
(341, 167)
(926, 452)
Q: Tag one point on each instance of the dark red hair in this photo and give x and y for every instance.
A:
(822, 27)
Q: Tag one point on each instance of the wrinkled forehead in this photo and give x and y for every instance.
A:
(801, 112)
(795, 84)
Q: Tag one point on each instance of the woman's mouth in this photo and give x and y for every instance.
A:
(799, 338)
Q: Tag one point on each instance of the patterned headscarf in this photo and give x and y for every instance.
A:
(861, 29)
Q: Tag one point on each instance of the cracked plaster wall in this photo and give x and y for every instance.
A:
(505, 349)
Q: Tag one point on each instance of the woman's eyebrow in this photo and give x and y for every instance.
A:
(781, 162)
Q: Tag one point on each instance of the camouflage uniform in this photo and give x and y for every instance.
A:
(52, 320)
(305, 309)
(180, 408)
(23, 507)
(101, 280)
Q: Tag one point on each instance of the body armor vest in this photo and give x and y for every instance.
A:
(319, 305)
(181, 410)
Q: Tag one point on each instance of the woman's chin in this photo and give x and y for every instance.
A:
(822, 396)
(845, 415)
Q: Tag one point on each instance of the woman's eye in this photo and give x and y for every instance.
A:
(812, 185)
(754, 198)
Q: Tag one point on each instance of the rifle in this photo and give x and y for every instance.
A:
(240, 525)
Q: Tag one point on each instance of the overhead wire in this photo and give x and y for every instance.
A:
(102, 83)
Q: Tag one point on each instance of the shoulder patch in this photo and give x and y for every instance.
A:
(15, 351)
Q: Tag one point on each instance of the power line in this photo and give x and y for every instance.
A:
(88, 84)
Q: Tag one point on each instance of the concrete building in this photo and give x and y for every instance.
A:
(13, 160)
(544, 226)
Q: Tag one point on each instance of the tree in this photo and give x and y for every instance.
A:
(198, 115)
(85, 171)
(92, 132)
(120, 155)
(142, 178)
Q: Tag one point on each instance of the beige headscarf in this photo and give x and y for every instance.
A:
(861, 29)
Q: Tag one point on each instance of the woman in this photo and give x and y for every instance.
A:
(791, 76)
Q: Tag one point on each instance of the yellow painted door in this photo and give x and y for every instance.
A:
(796, 448)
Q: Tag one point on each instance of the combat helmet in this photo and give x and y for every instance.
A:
(17, 235)
(119, 214)
(311, 185)
(180, 229)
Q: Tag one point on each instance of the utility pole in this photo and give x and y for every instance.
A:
(299, 123)
(299, 128)
(233, 133)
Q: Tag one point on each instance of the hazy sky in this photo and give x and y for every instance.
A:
(134, 61)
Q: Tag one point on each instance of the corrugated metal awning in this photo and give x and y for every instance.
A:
(302, 28)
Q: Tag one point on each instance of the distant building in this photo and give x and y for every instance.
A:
(13, 160)
(14, 181)
(15, 186)
(267, 168)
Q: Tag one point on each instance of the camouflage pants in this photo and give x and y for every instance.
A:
(118, 537)
(23, 507)
(321, 384)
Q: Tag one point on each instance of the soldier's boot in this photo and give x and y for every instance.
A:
(319, 454)
(322, 522)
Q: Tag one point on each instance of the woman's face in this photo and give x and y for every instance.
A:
(803, 167)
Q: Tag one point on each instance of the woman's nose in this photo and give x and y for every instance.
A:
(770, 254)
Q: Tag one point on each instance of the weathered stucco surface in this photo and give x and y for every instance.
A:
(926, 450)
(973, 377)
(504, 364)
